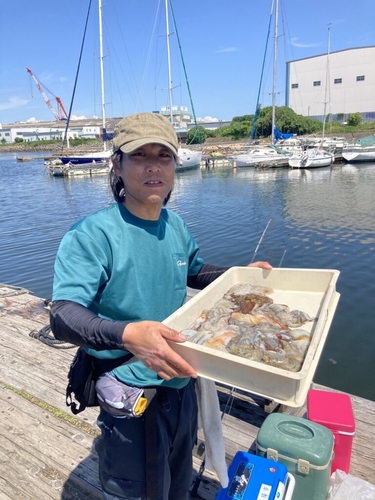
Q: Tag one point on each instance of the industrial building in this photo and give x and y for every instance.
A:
(337, 84)
(44, 131)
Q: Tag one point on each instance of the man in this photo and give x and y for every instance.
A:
(118, 274)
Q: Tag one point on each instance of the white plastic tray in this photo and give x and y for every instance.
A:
(310, 290)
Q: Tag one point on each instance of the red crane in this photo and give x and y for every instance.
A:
(60, 107)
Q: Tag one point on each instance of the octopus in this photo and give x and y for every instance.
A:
(246, 322)
(282, 313)
(220, 341)
(246, 303)
(246, 288)
(258, 317)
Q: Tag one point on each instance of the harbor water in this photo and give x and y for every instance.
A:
(316, 219)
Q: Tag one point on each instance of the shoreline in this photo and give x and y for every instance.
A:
(223, 147)
(219, 146)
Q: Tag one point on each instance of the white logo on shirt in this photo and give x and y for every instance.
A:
(181, 263)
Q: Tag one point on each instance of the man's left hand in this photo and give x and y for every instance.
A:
(262, 264)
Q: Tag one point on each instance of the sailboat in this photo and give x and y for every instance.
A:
(268, 155)
(97, 158)
(317, 156)
(187, 158)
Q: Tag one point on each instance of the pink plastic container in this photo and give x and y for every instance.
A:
(334, 411)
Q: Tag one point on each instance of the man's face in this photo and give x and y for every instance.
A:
(148, 175)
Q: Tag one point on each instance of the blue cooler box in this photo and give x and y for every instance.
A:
(252, 477)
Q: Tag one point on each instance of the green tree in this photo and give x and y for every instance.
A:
(287, 121)
(196, 135)
(224, 131)
(355, 119)
(18, 139)
(244, 118)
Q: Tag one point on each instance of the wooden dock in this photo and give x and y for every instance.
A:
(212, 161)
(47, 453)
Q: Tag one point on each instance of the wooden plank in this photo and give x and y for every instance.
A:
(46, 453)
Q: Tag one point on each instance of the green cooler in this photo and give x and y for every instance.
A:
(306, 448)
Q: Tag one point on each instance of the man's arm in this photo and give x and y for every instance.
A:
(76, 324)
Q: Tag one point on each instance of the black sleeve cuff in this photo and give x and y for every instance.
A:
(207, 274)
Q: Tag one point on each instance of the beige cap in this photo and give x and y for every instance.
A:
(139, 129)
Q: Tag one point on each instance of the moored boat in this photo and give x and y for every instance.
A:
(23, 158)
(104, 155)
(72, 170)
(256, 155)
(269, 155)
(99, 156)
(317, 156)
(361, 151)
(311, 158)
(188, 159)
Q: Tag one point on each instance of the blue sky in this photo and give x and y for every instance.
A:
(222, 44)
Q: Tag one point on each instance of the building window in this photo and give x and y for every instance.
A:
(337, 80)
(294, 85)
(361, 78)
(316, 83)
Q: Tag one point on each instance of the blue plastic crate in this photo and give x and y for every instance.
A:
(252, 477)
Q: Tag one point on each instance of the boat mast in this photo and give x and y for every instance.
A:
(101, 57)
(327, 80)
(169, 62)
(274, 71)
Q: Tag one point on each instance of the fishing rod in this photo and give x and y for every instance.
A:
(260, 241)
(282, 258)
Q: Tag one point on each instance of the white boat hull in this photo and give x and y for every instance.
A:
(257, 156)
(82, 169)
(311, 159)
(358, 153)
(188, 159)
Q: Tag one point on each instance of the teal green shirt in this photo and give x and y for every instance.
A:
(127, 269)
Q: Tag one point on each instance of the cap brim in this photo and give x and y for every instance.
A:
(133, 145)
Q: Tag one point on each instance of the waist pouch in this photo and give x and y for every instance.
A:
(83, 374)
(121, 400)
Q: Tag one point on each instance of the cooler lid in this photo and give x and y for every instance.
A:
(297, 438)
(331, 409)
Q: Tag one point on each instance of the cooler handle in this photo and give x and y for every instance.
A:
(303, 466)
(272, 454)
(290, 484)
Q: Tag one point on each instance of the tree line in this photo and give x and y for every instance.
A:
(286, 119)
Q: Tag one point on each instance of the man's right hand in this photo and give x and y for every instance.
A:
(147, 340)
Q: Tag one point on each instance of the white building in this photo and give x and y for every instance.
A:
(10, 133)
(41, 132)
(181, 116)
(343, 82)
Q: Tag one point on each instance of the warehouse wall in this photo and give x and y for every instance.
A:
(348, 88)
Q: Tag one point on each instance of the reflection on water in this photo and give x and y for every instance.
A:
(321, 218)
